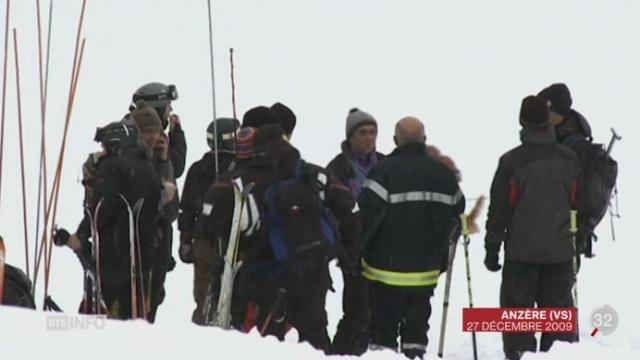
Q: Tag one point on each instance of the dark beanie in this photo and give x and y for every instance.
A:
(244, 142)
(267, 135)
(287, 117)
(534, 112)
(260, 116)
(559, 96)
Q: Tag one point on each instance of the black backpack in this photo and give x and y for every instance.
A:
(114, 137)
(117, 136)
(597, 183)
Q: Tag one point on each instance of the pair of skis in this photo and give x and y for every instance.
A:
(139, 303)
(92, 274)
(222, 315)
(92, 263)
(92, 300)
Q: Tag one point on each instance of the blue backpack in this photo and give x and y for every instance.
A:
(301, 228)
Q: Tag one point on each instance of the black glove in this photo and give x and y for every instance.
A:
(186, 248)
(491, 259)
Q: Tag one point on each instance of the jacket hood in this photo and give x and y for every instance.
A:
(574, 124)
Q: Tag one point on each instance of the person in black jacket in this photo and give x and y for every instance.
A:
(573, 130)
(160, 97)
(201, 175)
(408, 204)
(351, 167)
(532, 193)
(570, 125)
(259, 279)
(124, 176)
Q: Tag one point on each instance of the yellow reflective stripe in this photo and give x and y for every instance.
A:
(423, 278)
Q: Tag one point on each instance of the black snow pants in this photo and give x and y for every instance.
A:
(545, 285)
(400, 311)
(352, 334)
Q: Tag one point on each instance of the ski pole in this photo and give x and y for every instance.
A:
(574, 230)
(20, 137)
(275, 307)
(465, 233)
(614, 137)
(453, 241)
(142, 308)
(213, 90)
(4, 90)
(233, 84)
(42, 167)
(233, 100)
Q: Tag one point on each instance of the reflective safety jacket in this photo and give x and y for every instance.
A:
(409, 204)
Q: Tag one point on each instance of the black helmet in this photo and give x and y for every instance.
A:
(156, 94)
(117, 136)
(226, 128)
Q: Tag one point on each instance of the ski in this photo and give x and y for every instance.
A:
(132, 259)
(222, 316)
(94, 274)
(137, 209)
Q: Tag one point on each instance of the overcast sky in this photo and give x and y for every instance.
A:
(460, 66)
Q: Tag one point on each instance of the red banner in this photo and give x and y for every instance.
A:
(529, 320)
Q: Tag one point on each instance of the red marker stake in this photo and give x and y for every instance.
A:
(594, 332)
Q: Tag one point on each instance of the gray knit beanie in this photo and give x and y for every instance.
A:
(357, 118)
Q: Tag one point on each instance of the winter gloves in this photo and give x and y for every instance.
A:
(186, 247)
(491, 259)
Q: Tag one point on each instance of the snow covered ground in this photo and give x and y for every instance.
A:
(35, 335)
(462, 67)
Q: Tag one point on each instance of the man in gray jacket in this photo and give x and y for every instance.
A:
(532, 193)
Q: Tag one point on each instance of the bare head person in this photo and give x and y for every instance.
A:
(409, 129)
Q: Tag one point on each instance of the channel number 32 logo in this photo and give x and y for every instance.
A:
(605, 319)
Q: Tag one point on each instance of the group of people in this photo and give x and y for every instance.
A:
(388, 219)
